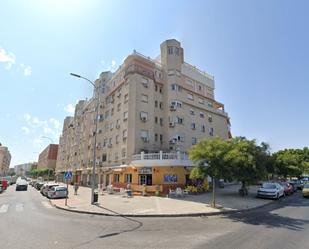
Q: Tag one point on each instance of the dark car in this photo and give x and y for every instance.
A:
(288, 188)
(39, 185)
(294, 185)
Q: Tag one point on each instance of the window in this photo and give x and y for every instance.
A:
(123, 153)
(176, 51)
(189, 82)
(200, 88)
(190, 96)
(201, 101)
(116, 178)
(119, 107)
(170, 50)
(193, 126)
(145, 82)
(106, 114)
(209, 118)
(210, 104)
(110, 141)
(125, 115)
(161, 138)
(144, 98)
(161, 121)
(128, 178)
(176, 103)
(100, 131)
(171, 178)
(126, 98)
(104, 158)
(180, 120)
(156, 137)
(156, 88)
(203, 128)
(118, 123)
(117, 139)
(144, 116)
(112, 111)
(156, 120)
(202, 115)
(104, 142)
(171, 72)
(211, 131)
(101, 117)
(161, 105)
(144, 134)
(176, 87)
(191, 112)
(124, 134)
(194, 140)
(156, 103)
(160, 90)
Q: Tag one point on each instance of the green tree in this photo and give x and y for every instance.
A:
(208, 155)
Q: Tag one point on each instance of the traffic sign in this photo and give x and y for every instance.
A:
(68, 175)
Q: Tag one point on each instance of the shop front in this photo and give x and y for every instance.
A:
(150, 178)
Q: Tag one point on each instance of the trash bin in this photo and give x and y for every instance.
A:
(129, 193)
(95, 196)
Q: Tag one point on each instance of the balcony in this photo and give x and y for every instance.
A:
(161, 159)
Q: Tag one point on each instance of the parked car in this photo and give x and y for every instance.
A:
(4, 183)
(271, 190)
(295, 184)
(57, 192)
(38, 185)
(46, 187)
(288, 188)
(21, 185)
(306, 190)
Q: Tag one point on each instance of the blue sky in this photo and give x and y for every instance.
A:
(257, 50)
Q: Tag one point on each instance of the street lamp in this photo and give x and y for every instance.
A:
(51, 140)
(95, 133)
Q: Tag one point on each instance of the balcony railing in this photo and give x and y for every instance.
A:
(161, 156)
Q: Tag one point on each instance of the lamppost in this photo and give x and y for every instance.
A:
(95, 132)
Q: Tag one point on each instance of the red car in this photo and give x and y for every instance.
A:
(288, 188)
(4, 183)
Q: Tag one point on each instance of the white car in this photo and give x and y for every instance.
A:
(57, 192)
(270, 190)
(21, 185)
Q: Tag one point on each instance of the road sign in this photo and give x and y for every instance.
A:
(68, 175)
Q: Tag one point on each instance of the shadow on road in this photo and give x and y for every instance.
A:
(270, 216)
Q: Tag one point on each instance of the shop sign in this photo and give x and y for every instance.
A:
(145, 170)
(172, 178)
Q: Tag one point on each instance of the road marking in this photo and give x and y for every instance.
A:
(4, 208)
(19, 207)
(46, 204)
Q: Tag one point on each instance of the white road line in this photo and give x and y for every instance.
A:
(4, 208)
(46, 204)
(19, 207)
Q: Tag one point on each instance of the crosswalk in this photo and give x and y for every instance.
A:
(21, 207)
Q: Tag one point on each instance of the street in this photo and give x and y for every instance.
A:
(28, 221)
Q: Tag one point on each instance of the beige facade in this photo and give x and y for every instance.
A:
(48, 157)
(147, 105)
(5, 160)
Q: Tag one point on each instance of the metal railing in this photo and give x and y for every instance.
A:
(161, 156)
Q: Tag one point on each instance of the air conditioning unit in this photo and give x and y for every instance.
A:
(144, 119)
(145, 139)
(171, 124)
(173, 141)
(173, 108)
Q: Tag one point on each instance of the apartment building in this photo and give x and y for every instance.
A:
(24, 168)
(48, 157)
(151, 112)
(5, 160)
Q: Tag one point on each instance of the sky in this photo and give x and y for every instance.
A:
(257, 51)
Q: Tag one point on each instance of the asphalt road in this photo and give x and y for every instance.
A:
(28, 221)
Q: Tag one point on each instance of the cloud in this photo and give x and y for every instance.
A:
(70, 108)
(27, 71)
(25, 129)
(109, 66)
(8, 58)
(50, 128)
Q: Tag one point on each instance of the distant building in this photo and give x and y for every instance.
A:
(23, 169)
(48, 157)
(5, 160)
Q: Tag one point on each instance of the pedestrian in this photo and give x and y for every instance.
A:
(75, 188)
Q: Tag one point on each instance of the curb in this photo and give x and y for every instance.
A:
(163, 215)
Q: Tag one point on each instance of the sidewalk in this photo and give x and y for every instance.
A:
(227, 199)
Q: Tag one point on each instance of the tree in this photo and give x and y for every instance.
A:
(208, 155)
(247, 160)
